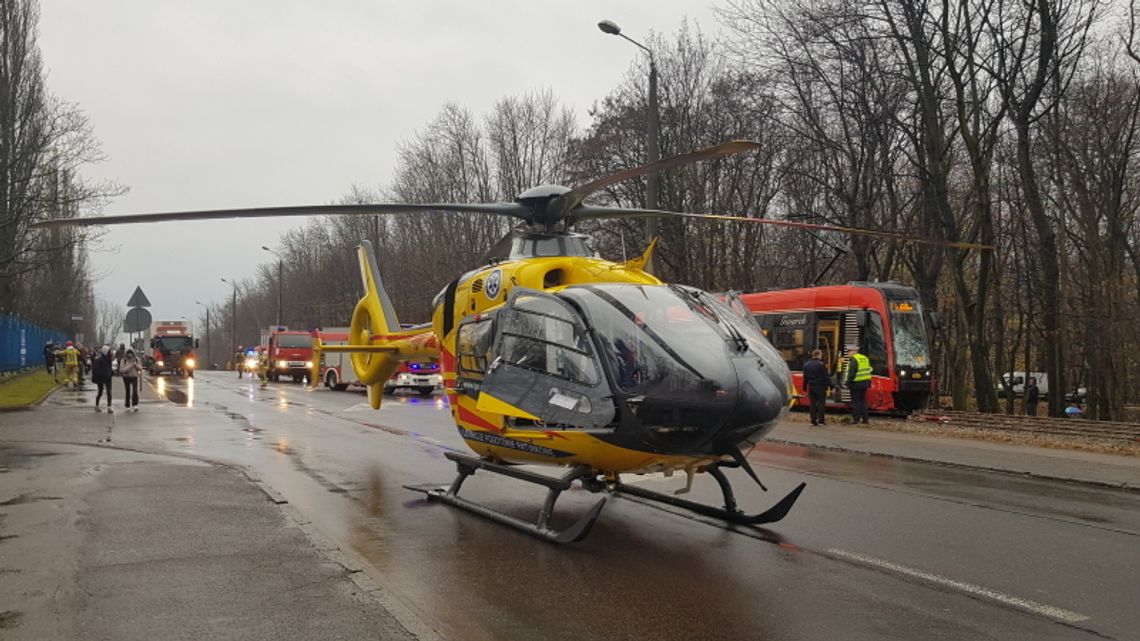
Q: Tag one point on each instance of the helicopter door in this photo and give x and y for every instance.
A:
(546, 368)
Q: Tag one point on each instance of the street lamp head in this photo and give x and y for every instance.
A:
(610, 27)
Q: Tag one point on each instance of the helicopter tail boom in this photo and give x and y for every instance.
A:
(376, 340)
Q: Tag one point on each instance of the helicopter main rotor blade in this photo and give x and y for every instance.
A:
(564, 205)
(501, 209)
(591, 213)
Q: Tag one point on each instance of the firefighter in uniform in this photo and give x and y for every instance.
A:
(858, 376)
(263, 366)
(70, 357)
(239, 360)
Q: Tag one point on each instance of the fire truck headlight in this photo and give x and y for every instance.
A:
(309, 364)
(902, 372)
(159, 363)
(282, 364)
(190, 362)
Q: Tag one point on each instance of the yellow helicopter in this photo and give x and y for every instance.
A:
(553, 356)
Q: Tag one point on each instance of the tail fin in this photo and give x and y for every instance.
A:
(373, 323)
(373, 286)
(376, 341)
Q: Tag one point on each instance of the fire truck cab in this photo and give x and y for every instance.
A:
(290, 353)
(172, 349)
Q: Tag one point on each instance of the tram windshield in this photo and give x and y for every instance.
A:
(909, 334)
(662, 339)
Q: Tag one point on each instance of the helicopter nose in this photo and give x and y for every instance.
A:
(762, 397)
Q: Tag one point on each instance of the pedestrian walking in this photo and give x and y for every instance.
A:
(816, 382)
(239, 360)
(101, 375)
(858, 381)
(1032, 396)
(130, 370)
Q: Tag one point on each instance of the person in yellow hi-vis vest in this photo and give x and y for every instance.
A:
(858, 376)
(70, 357)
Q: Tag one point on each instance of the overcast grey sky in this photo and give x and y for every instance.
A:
(245, 103)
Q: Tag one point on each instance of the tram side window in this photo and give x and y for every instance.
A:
(790, 344)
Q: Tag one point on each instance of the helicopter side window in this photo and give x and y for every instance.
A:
(540, 337)
(474, 346)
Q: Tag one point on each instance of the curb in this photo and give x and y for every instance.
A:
(965, 466)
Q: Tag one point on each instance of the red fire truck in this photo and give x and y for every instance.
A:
(172, 349)
(290, 352)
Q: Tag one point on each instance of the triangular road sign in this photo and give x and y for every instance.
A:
(138, 299)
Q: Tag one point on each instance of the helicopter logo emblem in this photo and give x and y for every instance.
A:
(494, 283)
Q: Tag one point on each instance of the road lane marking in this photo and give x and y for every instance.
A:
(1050, 611)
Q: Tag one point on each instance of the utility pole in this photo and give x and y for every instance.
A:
(233, 320)
(280, 282)
(209, 359)
(652, 134)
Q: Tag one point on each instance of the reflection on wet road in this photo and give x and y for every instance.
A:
(876, 548)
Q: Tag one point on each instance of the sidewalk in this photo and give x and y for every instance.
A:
(1067, 465)
(100, 543)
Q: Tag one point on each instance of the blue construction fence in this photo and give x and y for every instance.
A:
(22, 342)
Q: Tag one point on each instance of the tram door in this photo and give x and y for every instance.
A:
(827, 341)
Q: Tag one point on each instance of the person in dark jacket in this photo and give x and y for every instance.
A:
(1032, 396)
(816, 383)
(49, 358)
(101, 374)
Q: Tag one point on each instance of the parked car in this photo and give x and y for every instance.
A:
(1015, 381)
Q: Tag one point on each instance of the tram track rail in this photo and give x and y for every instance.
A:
(1065, 427)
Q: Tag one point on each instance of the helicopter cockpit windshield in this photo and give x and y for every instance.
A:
(655, 338)
(677, 358)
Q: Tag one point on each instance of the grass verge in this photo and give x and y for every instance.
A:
(22, 390)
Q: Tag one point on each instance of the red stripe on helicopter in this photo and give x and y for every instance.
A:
(470, 417)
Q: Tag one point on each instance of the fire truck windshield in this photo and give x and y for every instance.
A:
(294, 340)
(174, 343)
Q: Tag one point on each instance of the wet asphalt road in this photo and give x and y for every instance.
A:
(875, 548)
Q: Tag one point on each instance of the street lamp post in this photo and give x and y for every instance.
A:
(652, 128)
(233, 321)
(280, 283)
(209, 359)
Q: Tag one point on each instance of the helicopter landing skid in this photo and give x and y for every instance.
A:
(468, 465)
(729, 512)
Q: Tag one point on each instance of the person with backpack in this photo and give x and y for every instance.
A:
(101, 375)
